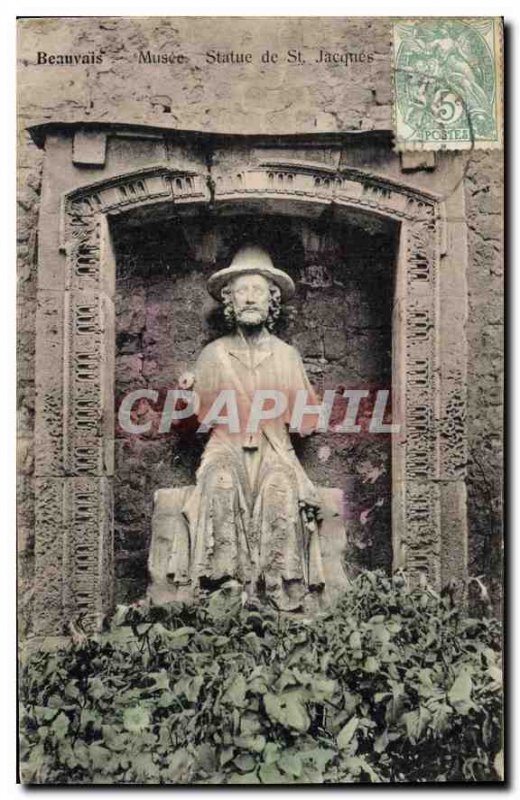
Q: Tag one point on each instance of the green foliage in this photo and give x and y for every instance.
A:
(391, 685)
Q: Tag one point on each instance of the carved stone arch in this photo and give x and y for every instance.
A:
(75, 414)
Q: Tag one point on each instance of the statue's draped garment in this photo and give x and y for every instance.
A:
(252, 514)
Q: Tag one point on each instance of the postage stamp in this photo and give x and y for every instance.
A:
(447, 82)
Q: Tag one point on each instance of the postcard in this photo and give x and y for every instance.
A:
(260, 400)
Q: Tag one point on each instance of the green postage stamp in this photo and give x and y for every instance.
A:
(447, 82)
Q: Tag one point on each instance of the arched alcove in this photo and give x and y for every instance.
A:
(340, 320)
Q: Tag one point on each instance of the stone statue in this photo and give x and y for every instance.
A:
(254, 516)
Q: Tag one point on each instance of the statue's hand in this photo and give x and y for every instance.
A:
(187, 381)
(312, 513)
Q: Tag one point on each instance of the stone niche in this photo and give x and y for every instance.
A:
(340, 320)
(132, 222)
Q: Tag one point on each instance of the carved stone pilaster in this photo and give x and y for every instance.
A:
(89, 589)
(51, 574)
(50, 545)
(76, 416)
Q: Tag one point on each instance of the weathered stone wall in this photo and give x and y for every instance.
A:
(282, 98)
(485, 330)
(340, 321)
(29, 181)
(232, 98)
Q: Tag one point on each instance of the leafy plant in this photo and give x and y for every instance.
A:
(391, 685)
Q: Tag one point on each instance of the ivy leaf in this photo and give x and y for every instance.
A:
(179, 639)
(219, 641)
(288, 678)
(226, 755)
(347, 732)
(220, 605)
(206, 758)
(460, 693)
(416, 722)
(371, 664)
(179, 764)
(396, 704)
(250, 724)
(90, 717)
(99, 756)
(291, 764)
(236, 692)
(253, 643)
(244, 762)
(425, 687)
(166, 699)
(381, 742)
(161, 681)
(143, 628)
(319, 756)
(356, 765)
(381, 634)
(136, 719)
(269, 773)
(71, 690)
(495, 673)
(288, 709)
(81, 751)
(44, 714)
(441, 713)
(258, 684)
(193, 688)
(60, 726)
(144, 766)
(96, 688)
(113, 739)
(253, 743)
(271, 752)
(123, 636)
(31, 767)
(323, 689)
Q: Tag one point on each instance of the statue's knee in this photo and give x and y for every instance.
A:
(279, 482)
(220, 476)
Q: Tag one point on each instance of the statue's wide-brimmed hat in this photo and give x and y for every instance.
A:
(247, 260)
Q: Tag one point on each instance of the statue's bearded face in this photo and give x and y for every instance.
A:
(250, 296)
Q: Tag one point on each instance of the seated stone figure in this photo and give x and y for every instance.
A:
(253, 516)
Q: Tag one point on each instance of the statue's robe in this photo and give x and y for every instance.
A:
(252, 515)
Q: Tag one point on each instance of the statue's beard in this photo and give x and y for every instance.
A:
(250, 317)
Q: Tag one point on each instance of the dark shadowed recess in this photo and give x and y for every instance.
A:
(340, 320)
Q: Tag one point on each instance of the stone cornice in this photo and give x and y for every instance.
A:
(39, 133)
